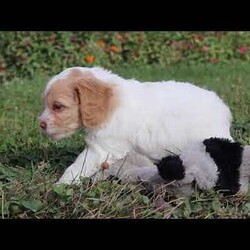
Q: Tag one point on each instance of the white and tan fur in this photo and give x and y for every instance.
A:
(127, 119)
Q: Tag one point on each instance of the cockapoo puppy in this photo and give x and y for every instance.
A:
(129, 124)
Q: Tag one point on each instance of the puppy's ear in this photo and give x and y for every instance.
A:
(95, 100)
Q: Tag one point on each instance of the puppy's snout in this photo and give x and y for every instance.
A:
(43, 125)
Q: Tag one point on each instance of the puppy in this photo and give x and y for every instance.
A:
(129, 124)
(213, 163)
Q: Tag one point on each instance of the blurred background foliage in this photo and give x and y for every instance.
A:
(25, 54)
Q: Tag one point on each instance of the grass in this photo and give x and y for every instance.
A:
(30, 162)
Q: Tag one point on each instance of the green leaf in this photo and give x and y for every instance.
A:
(33, 205)
(247, 206)
(145, 200)
(216, 205)
(15, 209)
(187, 209)
(60, 189)
(197, 208)
(70, 192)
(85, 205)
(92, 194)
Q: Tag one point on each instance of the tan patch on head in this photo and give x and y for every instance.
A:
(68, 119)
(63, 89)
(97, 100)
(75, 74)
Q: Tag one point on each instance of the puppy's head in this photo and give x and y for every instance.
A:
(73, 99)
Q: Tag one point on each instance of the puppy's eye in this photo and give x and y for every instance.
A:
(57, 107)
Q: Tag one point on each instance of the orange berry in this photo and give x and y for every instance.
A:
(90, 59)
(113, 48)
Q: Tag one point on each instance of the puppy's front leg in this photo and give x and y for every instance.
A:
(87, 164)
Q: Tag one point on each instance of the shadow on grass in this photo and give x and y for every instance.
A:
(59, 158)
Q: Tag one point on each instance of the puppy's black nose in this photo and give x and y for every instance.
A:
(43, 125)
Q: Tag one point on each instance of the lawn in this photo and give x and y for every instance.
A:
(30, 162)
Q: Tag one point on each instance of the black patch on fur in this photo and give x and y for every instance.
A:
(228, 156)
(170, 168)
